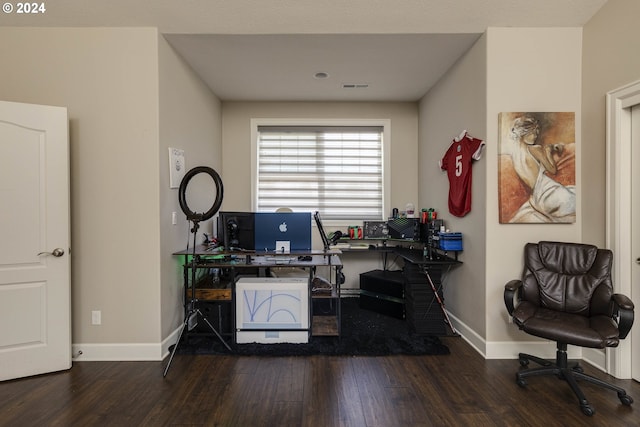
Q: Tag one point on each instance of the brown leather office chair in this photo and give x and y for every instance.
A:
(566, 295)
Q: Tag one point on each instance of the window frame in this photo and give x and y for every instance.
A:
(386, 150)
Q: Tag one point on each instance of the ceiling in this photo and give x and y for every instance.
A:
(270, 50)
(283, 67)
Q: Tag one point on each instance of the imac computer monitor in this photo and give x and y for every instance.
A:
(275, 231)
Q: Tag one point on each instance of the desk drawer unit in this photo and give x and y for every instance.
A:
(383, 292)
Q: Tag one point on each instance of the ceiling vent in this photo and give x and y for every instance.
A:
(355, 85)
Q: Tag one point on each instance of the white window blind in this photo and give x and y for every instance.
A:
(337, 170)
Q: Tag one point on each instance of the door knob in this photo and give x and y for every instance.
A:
(637, 260)
(57, 252)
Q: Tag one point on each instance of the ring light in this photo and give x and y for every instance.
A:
(191, 318)
(194, 216)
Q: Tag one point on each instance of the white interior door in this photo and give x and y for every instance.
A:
(635, 238)
(35, 306)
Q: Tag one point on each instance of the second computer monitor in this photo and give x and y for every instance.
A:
(237, 230)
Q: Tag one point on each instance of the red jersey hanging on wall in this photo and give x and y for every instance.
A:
(457, 162)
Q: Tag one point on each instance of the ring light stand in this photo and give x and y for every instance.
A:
(191, 318)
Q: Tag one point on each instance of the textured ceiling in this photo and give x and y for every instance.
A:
(270, 49)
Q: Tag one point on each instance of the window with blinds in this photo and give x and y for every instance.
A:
(337, 170)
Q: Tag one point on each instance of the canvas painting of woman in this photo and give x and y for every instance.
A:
(536, 168)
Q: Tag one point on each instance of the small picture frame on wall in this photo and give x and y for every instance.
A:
(177, 167)
(536, 168)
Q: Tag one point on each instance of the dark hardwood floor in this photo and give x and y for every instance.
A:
(461, 389)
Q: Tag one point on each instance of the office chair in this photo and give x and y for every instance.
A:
(566, 295)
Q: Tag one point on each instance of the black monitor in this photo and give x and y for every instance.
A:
(236, 230)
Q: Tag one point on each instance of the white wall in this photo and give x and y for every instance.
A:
(458, 102)
(236, 154)
(236, 138)
(129, 98)
(508, 69)
(190, 119)
(536, 69)
(610, 60)
(108, 80)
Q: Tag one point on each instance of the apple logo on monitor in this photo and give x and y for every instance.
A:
(283, 227)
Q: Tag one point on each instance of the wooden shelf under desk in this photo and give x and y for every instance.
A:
(324, 294)
(203, 294)
(325, 326)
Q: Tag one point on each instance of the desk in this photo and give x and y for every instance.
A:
(219, 271)
(416, 292)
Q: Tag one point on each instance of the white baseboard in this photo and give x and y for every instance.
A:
(124, 352)
(488, 349)
(511, 349)
(595, 357)
(469, 335)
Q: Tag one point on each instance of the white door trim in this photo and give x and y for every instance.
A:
(618, 208)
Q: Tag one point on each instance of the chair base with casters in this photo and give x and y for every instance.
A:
(566, 295)
(570, 374)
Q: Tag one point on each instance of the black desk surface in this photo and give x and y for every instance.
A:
(403, 248)
(416, 257)
(221, 258)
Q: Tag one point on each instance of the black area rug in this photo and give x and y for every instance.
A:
(364, 333)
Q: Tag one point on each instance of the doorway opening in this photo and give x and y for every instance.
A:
(620, 214)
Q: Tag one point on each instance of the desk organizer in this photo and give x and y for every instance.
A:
(451, 241)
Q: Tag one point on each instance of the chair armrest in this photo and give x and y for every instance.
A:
(623, 310)
(511, 291)
(623, 301)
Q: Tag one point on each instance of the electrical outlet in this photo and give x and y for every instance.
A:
(174, 218)
(96, 317)
(509, 319)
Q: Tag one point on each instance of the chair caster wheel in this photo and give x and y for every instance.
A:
(578, 369)
(587, 410)
(524, 362)
(625, 399)
(521, 382)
